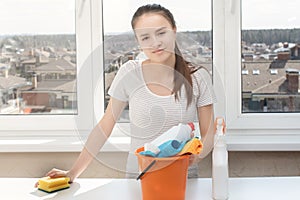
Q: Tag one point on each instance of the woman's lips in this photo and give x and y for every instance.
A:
(158, 51)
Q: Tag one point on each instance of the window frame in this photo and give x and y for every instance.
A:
(30, 125)
(245, 132)
(238, 123)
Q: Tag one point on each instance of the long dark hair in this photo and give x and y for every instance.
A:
(182, 73)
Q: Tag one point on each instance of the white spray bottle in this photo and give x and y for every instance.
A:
(220, 163)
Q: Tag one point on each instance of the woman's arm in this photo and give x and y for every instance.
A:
(95, 141)
(206, 124)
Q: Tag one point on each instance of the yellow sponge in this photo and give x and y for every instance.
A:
(48, 184)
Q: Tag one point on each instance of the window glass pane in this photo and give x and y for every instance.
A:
(194, 34)
(270, 56)
(37, 57)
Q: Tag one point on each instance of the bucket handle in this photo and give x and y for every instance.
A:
(146, 169)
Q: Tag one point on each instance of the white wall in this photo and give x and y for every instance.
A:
(241, 164)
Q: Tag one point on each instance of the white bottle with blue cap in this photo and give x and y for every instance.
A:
(180, 133)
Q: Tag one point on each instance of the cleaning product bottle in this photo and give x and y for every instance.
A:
(180, 133)
(220, 163)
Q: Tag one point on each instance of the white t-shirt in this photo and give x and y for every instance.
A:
(150, 114)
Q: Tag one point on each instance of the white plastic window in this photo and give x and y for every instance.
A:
(264, 131)
(241, 15)
(270, 35)
(45, 58)
(194, 35)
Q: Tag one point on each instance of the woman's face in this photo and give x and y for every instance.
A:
(156, 37)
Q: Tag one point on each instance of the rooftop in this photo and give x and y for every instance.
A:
(12, 82)
(60, 65)
(271, 77)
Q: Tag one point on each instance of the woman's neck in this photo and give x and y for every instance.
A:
(158, 69)
(170, 62)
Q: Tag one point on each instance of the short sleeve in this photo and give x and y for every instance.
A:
(203, 88)
(118, 86)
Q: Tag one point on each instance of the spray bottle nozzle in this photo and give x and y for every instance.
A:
(220, 126)
(220, 121)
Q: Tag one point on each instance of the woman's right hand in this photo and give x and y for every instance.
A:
(56, 173)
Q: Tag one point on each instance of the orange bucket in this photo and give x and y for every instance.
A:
(166, 179)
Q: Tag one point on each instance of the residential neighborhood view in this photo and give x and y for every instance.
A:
(38, 72)
(270, 70)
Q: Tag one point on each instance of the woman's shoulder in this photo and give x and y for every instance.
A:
(200, 73)
(129, 71)
(131, 65)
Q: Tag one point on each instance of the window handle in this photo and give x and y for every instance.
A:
(80, 8)
(232, 6)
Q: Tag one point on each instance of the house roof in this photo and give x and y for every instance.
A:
(272, 87)
(12, 82)
(67, 87)
(32, 60)
(283, 49)
(265, 81)
(50, 85)
(56, 86)
(60, 65)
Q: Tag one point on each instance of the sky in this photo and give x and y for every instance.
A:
(195, 15)
(58, 16)
(270, 14)
(37, 16)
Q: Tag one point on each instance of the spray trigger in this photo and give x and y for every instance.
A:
(220, 126)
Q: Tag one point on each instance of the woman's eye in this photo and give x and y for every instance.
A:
(161, 33)
(145, 38)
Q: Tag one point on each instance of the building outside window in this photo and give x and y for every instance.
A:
(271, 49)
(37, 49)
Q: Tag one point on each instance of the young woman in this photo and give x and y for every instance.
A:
(161, 91)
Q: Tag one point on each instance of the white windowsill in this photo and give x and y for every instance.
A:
(263, 142)
(58, 144)
(121, 144)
